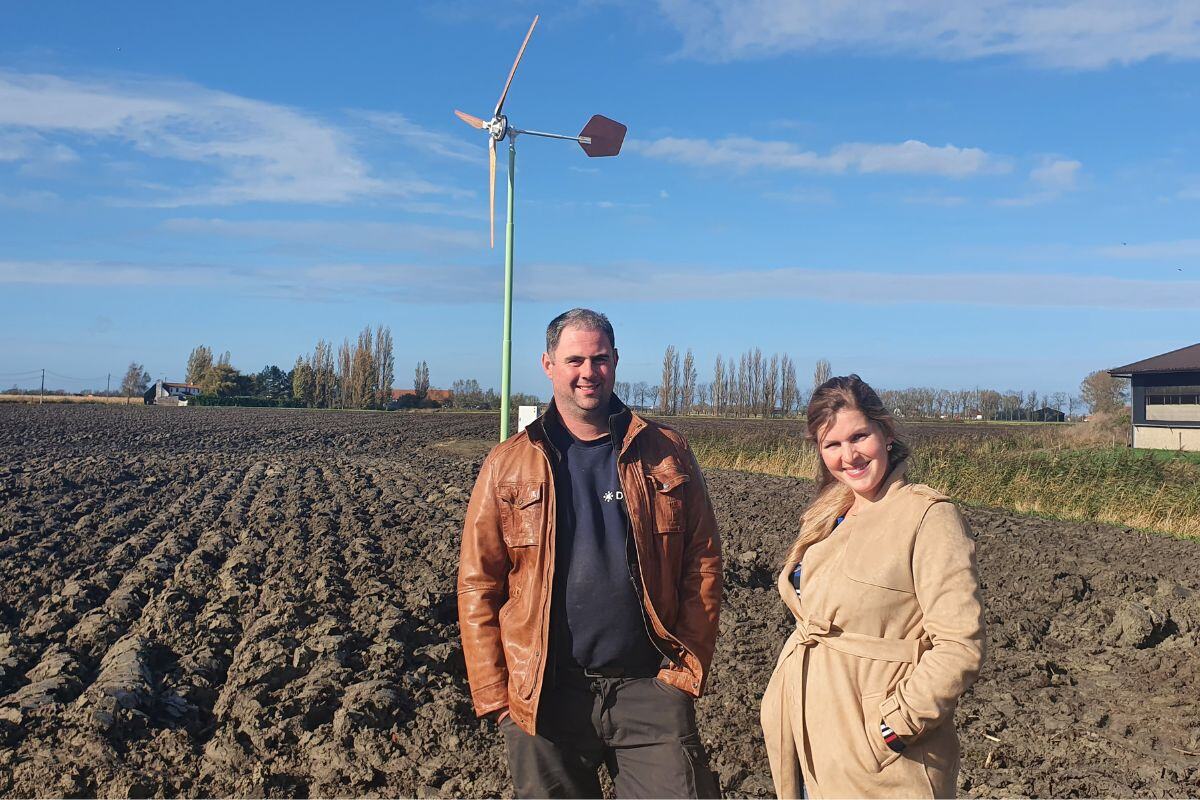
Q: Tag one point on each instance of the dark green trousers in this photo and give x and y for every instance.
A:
(642, 730)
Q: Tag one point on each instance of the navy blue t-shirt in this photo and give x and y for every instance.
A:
(595, 603)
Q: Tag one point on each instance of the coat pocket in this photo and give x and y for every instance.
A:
(872, 717)
(523, 513)
(667, 485)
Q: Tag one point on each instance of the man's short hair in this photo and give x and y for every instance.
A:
(581, 318)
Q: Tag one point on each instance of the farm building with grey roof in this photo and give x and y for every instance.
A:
(1165, 399)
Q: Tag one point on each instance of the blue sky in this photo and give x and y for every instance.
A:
(994, 194)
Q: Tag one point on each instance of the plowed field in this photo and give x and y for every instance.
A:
(208, 601)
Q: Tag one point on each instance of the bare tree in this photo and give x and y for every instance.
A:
(718, 386)
(385, 366)
(743, 385)
(364, 374)
(688, 379)
(345, 362)
(755, 375)
(1058, 400)
(770, 386)
(822, 372)
(136, 380)
(667, 387)
(641, 390)
(421, 381)
(787, 394)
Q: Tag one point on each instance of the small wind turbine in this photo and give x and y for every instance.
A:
(600, 137)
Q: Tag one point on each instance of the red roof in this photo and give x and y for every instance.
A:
(1185, 359)
(440, 395)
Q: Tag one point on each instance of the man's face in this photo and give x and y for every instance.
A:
(582, 369)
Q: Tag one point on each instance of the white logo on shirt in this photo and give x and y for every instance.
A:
(610, 496)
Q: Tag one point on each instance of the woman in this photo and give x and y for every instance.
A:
(889, 622)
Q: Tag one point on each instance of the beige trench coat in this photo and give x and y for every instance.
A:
(890, 628)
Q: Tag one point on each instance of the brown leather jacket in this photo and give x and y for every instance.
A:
(507, 566)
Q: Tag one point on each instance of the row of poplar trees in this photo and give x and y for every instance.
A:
(749, 385)
(357, 375)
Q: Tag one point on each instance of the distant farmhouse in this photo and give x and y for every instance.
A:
(170, 394)
(1165, 399)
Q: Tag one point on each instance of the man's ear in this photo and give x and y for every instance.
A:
(616, 356)
(546, 364)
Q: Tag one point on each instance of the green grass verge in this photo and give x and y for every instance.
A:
(1040, 474)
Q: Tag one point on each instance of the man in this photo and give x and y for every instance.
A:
(589, 587)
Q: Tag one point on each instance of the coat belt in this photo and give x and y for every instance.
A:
(811, 632)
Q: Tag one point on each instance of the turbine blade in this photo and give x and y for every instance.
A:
(513, 71)
(474, 122)
(492, 187)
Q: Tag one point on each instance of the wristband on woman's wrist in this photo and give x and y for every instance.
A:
(893, 740)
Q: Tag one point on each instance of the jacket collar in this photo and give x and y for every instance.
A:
(893, 484)
(623, 424)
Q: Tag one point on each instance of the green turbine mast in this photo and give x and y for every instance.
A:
(600, 137)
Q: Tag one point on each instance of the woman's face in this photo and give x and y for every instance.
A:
(854, 450)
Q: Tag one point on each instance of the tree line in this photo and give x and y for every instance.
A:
(358, 374)
(753, 384)
(468, 395)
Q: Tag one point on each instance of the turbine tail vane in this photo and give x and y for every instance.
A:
(602, 137)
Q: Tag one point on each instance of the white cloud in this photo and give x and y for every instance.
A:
(1056, 174)
(745, 153)
(1073, 34)
(34, 151)
(111, 273)
(257, 151)
(322, 234)
(550, 282)
(1052, 178)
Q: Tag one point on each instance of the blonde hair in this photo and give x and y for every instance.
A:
(834, 498)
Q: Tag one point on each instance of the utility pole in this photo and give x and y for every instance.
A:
(108, 385)
(42, 394)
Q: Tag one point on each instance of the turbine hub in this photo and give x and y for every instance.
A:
(498, 127)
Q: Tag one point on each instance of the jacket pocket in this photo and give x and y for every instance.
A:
(522, 513)
(667, 485)
(872, 717)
